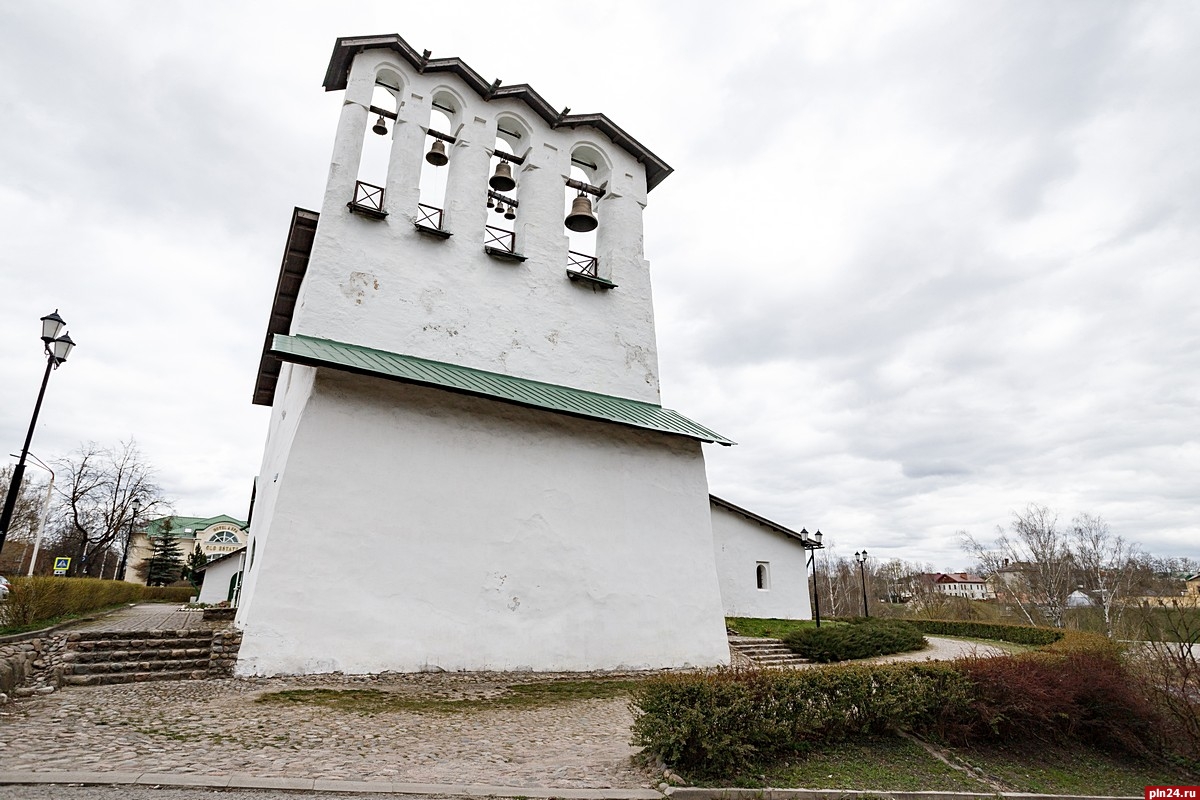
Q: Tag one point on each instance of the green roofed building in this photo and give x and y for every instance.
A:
(216, 536)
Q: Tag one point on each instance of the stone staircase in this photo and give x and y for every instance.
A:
(761, 652)
(92, 658)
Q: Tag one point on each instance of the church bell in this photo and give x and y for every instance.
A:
(581, 219)
(437, 154)
(380, 126)
(502, 180)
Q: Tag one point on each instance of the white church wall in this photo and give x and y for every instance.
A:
(382, 284)
(741, 545)
(417, 529)
(292, 391)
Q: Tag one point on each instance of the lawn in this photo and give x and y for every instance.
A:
(770, 628)
(904, 765)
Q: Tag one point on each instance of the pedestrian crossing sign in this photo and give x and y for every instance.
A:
(61, 565)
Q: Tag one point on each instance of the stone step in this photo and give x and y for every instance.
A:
(106, 679)
(122, 640)
(173, 645)
(764, 647)
(177, 650)
(93, 636)
(765, 652)
(107, 668)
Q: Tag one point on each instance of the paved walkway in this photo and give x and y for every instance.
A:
(148, 617)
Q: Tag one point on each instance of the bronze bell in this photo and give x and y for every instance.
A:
(491, 202)
(581, 219)
(502, 180)
(500, 208)
(511, 213)
(380, 126)
(437, 154)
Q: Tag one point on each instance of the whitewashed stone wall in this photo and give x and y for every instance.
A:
(415, 529)
(741, 544)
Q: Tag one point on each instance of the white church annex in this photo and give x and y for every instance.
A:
(762, 566)
(467, 466)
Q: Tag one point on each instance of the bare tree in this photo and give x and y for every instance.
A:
(98, 487)
(1036, 563)
(1107, 563)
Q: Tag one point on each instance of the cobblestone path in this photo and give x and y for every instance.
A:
(215, 727)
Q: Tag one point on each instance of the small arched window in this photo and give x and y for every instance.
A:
(762, 574)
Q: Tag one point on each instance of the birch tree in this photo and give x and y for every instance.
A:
(1034, 556)
(1107, 563)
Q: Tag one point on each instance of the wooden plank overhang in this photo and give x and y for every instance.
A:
(291, 274)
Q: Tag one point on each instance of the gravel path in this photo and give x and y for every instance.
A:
(941, 649)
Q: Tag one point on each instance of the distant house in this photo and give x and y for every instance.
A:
(961, 584)
(1193, 584)
(1079, 599)
(761, 565)
(216, 536)
(1009, 580)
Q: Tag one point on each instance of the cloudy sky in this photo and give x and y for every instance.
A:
(928, 262)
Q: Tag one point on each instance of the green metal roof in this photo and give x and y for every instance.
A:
(179, 523)
(506, 388)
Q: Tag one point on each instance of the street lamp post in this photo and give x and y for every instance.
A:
(57, 349)
(812, 544)
(861, 558)
(137, 506)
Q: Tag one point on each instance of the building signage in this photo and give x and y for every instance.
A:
(61, 565)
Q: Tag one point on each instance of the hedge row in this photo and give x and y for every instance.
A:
(721, 723)
(36, 600)
(718, 723)
(862, 638)
(1017, 634)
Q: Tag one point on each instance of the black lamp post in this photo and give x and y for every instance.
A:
(861, 558)
(137, 506)
(57, 350)
(811, 544)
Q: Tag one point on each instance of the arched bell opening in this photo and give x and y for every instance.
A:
(499, 235)
(374, 160)
(439, 138)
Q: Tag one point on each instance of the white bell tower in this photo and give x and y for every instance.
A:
(467, 465)
(442, 277)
